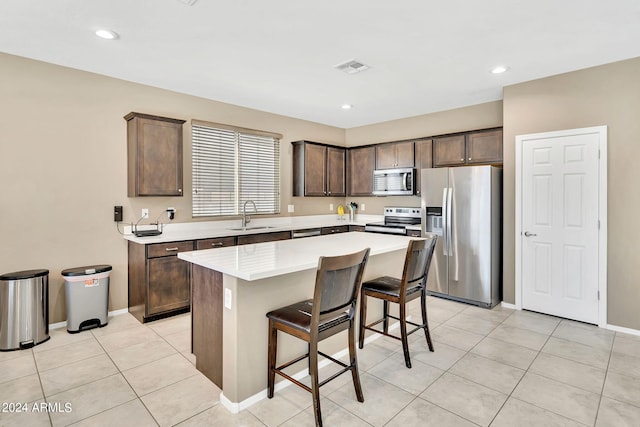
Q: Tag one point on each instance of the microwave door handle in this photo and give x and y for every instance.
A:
(404, 181)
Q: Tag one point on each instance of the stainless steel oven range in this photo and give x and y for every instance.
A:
(396, 220)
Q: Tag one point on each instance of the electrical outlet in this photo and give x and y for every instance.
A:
(117, 213)
(330, 207)
(290, 208)
(227, 298)
(145, 213)
(362, 207)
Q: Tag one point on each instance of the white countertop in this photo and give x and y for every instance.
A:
(263, 260)
(173, 232)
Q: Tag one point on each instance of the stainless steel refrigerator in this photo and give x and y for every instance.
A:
(463, 207)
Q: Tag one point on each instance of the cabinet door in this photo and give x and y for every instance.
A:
(404, 154)
(362, 162)
(424, 159)
(154, 155)
(385, 156)
(314, 170)
(484, 147)
(449, 151)
(336, 185)
(168, 285)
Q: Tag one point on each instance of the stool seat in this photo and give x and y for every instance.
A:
(389, 286)
(298, 316)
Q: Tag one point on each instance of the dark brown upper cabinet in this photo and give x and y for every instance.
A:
(482, 147)
(361, 164)
(154, 150)
(394, 155)
(318, 169)
(424, 159)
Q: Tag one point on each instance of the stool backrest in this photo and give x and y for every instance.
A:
(417, 261)
(338, 281)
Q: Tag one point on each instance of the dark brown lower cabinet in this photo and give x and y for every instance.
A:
(159, 282)
(168, 285)
(356, 228)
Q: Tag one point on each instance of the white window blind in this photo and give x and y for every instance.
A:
(231, 166)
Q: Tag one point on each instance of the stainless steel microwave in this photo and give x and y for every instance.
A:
(394, 182)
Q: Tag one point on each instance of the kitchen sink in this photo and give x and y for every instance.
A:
(260, 227)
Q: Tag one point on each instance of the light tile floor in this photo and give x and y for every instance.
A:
(491, 367)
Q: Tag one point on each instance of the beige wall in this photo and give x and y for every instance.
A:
(63, 153)
(605, 95)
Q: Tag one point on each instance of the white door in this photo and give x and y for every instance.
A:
(559, 233)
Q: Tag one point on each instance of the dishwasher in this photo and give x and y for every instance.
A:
(306, 232)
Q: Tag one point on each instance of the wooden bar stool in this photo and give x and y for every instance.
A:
(332, 310)
(400, 291)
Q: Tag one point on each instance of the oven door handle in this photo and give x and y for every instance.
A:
(386, 230)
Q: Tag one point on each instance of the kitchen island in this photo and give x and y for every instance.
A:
(234, 287)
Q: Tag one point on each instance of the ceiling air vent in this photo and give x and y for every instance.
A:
(188, 2)
(352, 66)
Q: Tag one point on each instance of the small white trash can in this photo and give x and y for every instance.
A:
(87, 297)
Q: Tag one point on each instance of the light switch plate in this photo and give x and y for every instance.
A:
(227, 298)
(331, 207)
(362, 207)
(289, 208)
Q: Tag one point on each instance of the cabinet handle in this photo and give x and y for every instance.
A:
(179, 190)
(171, 249)
(469, 158)
(217, 244)
(462, 160)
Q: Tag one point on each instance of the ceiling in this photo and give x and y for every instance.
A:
(279, 55)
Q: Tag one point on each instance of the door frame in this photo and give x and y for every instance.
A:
(602, 212)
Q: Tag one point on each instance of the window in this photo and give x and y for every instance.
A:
(232, 165)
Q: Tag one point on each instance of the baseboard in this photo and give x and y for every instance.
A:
(508, 305)
(623, 329)
(60, 325)
(240, 406)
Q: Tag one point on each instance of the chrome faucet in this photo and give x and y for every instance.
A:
(246, 220)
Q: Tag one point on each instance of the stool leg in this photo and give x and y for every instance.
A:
(353, 361)
(273, 348)
(385, 316)
(425, 322)
(403, 334)
(363, 318)
(315, 388)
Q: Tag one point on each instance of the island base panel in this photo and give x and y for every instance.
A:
(206, 322)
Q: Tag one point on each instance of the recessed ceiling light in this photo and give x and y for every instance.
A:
(499, 69)
(346, 106)
(107, 34)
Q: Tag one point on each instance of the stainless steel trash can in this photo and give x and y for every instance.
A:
(24, 309)
(87, 297)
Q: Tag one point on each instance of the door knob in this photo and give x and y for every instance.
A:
(527, 234)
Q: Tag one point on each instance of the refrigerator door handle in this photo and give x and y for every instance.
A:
(445, 248)
(449, 219)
